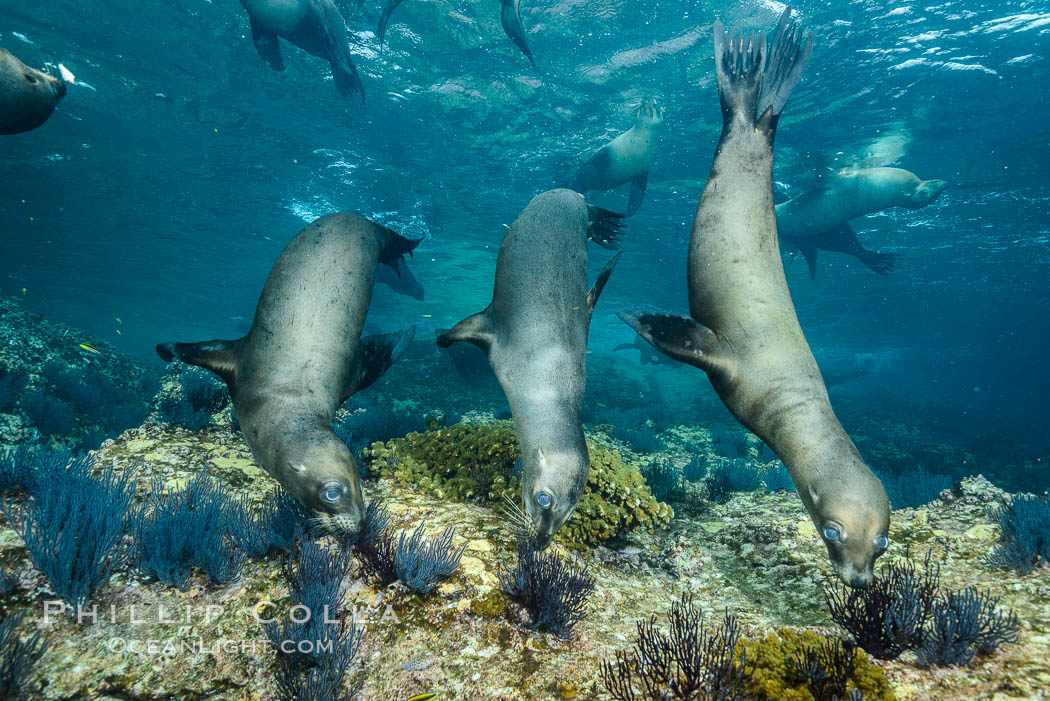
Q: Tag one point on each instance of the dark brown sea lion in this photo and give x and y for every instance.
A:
(27, 96)
(743, 330)
(304, 356)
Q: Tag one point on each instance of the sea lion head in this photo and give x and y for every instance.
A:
(322, 475)
(853, 520)
(925, 193)
(551, 487)
(649, 114)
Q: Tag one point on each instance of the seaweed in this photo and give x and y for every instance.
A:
(689, 662)
(195, 527)
(695, 470)
(728, 442)
(11, 385)
(271, 527)
(374, 545)
(421, 562)
(825, 668)
(21, 467)
(641, 439)
(914, 488)
(18, 657)
(664, 480)
(777, 478)
(731, 475)
(554, 592)
(74, 527)
(1024, 534)
(50, 416)
(964, 623)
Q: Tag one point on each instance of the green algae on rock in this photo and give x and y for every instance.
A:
(477, 463)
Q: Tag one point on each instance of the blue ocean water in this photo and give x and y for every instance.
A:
(179, 165)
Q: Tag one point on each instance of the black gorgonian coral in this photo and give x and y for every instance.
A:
(1024, 533)
(964, 623)
(553, 591)
(375, 546)
(690, 662)
(18, 657)
(825, 668)
(422, 562)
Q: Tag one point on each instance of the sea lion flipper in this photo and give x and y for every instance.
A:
(395, 246)
(218, 356)
(510, 17)
(809, 252)
(603, 277)
(476, 329)
(604, 227)
(266, 43)
(388, 9)
(679, 337)
(638, 186)
(377, 354)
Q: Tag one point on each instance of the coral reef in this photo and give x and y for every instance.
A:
(476, 463)
(1024, 534)
(729, 475)
(375, 546)
(191, 398)
(553, 591)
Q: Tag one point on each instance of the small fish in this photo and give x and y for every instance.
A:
(119, 333)
(423, 697)
(427, 316)
(118, 320)
(23, 291)
(414, 666)
(90, 349)
(67, 75)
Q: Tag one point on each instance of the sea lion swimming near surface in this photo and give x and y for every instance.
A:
(625, 159)
(510, 17)
(535, 335)
(27, 96)
(819, 218)
(304, 356)
(743, 330)
(315, 26)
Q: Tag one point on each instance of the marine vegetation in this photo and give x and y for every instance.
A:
(904, 610)
(18, 656)
(376, 423)
(199, 398)
(791, 665)
(375, 546)
(422, 562)
(195, 527)
(94, 395)
(690, 661)
(964, 623)
(314, 650)
(19, 467)
(50, 416)
(1024, 534)
(641, 439)
(729, 475)
(74, 527)
(271, 527)
(728, 442)
(914, 488)
(12, 382)
(553, 591)
(9, 583)
(664, 479)
(476, 463)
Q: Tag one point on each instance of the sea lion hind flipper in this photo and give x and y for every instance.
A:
(347, 81)
(267, 44)
(604, 227)
(476, 329)
(218, 356)
(786, 59)
(603, 277)
(510, 17)
(377, 354)
(395, 246)
(638, 186)
(679, 337)
(388, 9)
(809, 252)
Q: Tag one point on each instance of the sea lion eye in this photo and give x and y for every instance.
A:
(544, 500)
(332, 492)
(882, 542)
(831, 534)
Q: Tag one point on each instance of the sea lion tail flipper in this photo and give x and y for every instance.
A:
(266, 43)
(347, 81)
(218, 356)
(476, 329)
(787, 58)
(603, 277)
(638, 186)
(388, 9)
(880, 263)
(377, 354)
(604, 227)
(809, 252)
(681, 338)
(844, 239)
(395, 246)
(511, 18)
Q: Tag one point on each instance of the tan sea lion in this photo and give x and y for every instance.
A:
(304, 356)
(27, 96)
(743, 330)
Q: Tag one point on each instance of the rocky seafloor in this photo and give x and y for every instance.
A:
(756, 555)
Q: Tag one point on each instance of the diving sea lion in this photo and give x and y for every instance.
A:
(510, 16)
(27, 96)
(315, 26)
(627, 158)
(819, 219)
(401, 280)
(388, 9)
(535, 335)
(304, 356)
(743, 331)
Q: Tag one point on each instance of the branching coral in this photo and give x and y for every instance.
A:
(18, 657)
(74, 527)
(825, 668)
(1024, 534)
(965, 623)
(914, 488)
(664, 479)
(375, 546)
(690, 662)
(271, 527)
(553, 591)
(50, 416)
(422, 562)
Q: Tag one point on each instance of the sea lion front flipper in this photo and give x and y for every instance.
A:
(638, 186)
(603, 277)
(843, 239)
(510, 16)
(266, 43)
(218, 356)
(384, 18)
(395, 246)
(476, 329)
(809, 252)
(681, 338)
(376, 355)
(604, 227)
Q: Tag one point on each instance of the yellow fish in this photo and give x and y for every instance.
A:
(425, 316)
(423, 697)
(88, 348)
(118, 320)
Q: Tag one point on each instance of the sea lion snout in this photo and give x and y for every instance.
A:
(551, 488)
(325, 481)
(650, 113)
(926, 193)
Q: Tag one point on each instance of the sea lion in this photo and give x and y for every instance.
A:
(646, 354)
(401, 280)
(388, 9)
(819, 218)
(627, 158)
(743, 330)
(315, 26)
(510, 16)
(535, 335)
(304, 356)
(27, 96)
